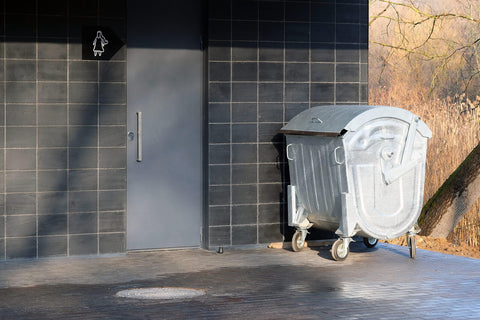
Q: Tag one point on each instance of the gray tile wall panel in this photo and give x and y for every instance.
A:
(81, 180)
(244, 214)
(21, 226)
(61, 120)
(51, 158)
(52, 202)
(267, 62)
(83, 244)
(111, 242)
(52, 246)
(20, 247)
(112, 158)
(112, 179)
(52, 224)
(112, 222)
(20, 48)
(83, 223)
(20, 159)
(20, 115)
(52, 180)
(20, 181)
(219, 216)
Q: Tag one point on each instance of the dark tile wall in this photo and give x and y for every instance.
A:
(268, 61)
(62, 125)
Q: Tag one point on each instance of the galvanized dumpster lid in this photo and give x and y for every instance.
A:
(336, 120)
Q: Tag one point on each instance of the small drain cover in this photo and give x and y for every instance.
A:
(161, 293)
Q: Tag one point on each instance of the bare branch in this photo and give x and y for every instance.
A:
(414, 32)
(372, 20)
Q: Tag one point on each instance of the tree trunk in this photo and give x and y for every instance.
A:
(455, 197)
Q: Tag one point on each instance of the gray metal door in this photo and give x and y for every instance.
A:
(165, 97)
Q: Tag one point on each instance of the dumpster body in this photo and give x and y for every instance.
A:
(356, 170)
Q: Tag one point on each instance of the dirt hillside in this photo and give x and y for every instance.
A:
(440, 245)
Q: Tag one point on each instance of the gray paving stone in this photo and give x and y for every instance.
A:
(383, 283)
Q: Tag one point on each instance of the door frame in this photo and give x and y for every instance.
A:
(204, 237)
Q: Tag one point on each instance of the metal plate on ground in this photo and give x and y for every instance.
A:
(161, 293)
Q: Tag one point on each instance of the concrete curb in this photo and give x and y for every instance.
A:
(311, 244)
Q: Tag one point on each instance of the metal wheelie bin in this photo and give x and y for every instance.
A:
(356, 170)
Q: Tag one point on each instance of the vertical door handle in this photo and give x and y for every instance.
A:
(139, 137)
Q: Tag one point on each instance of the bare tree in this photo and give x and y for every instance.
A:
(432, 47)
(437, 47)
(453, 199)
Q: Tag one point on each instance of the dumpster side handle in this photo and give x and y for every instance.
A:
(339, 159)
(289, 157)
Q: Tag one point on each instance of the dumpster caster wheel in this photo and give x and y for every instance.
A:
(339, 252)
(298, 243)
(370, 242)
(412, 245)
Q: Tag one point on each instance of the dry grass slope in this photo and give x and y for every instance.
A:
(455, 123)
(425, 57)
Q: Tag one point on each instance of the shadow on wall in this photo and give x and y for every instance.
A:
(64, 117)
(267, 62)
(257, 87)
(283, 166)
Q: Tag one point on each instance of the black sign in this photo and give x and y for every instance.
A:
(99, 43)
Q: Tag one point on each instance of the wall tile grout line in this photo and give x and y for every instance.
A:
(36, 126)
(231, 122)
(98, 140)
(68, 132)
(335, 55)
(257, 125)
(4, 139)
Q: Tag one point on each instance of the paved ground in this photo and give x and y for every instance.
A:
(383, 283)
